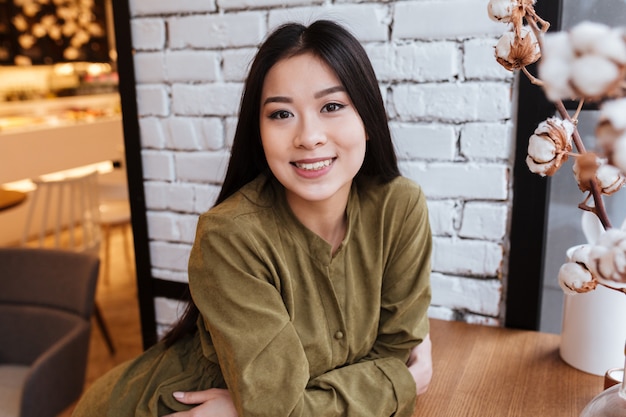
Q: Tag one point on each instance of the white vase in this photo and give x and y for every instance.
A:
(594, 330)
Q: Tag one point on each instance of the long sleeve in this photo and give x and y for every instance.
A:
(277, 323)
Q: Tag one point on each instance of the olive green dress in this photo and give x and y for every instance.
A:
(296, 330)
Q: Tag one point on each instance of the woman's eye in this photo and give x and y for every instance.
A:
(280, 114)
(332, 107)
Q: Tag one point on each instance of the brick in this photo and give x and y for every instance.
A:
(482, 320)
(441, 313)
(174, 256)
(201, 166)
(442, 216)
(467, 257)
(169, 275)
(368, 22)
(460, 180)
(148, 33)
(479, 61)
(167, 311)
(152, 136)
(206, 99)
(205, 197)
(152, 100)
(217, 31)
(187, 227)
(194, 133)
(162, 226)
(236, 63)
(170, 227)
(485, 221)
(230, 128)
(443, 20)
(149, 67)
(179, 195)
(156, 195)
(480, 296)
(157, 165)
(181, 133)
(488, 140)
(252, 4)
(211, 133)
(155, 7)
(424, 141)
(192, 66)
(420, 61)
(453, 102)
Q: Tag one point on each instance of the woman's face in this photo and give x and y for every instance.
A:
(313, 137)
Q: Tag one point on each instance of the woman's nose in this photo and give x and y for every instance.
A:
(310, 134)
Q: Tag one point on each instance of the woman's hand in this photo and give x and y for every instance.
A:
(214, 402)
(420, 365)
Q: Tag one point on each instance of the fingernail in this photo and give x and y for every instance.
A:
(178, 395)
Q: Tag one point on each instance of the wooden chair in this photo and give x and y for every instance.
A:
(64, 214)
(46, 304)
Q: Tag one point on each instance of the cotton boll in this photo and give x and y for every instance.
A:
(541, 148)
(558, 45)
(549, 146)
(517, 50)
(586, 36)
(554, 68)
(614, 112)
(579, 254)
(501, 10)
(609, 178)
(619, 154)
(597, 38)
(574, 278)
(555, 76)
(613, 47)
(593, 75)
(503, 47)
(608, 258)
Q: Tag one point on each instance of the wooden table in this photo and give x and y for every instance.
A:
(487, 371)
(10, 198)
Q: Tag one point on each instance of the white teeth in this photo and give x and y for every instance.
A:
(315, 165)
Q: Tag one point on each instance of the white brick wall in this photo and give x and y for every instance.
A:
(450, 108)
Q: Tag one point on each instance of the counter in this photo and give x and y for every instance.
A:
(39, 137)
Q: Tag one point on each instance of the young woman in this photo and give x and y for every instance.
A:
(310, 275)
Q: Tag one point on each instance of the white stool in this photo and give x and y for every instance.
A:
(114, 214)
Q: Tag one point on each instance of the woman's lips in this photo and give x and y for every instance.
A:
(313, 168)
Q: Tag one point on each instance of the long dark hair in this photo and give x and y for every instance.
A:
(342, 52)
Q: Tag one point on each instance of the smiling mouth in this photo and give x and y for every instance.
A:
(314, 166)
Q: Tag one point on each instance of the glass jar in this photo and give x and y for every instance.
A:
(609, 403)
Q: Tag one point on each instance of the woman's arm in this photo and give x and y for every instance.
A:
(218, 402)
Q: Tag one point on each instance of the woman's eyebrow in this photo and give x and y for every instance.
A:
(277, 99)
(319, 94)
(329, 90)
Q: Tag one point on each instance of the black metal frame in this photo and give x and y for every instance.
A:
(134, 171)
(148, 287)
(530, 199)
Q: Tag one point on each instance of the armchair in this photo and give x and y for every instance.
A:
(46, 304)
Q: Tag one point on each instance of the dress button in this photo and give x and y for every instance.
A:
(339, 334)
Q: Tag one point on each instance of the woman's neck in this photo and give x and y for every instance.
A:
(327, 219)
